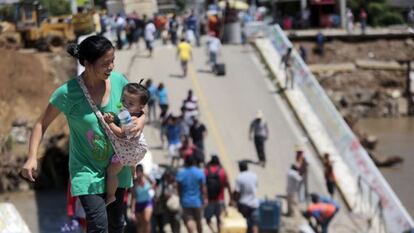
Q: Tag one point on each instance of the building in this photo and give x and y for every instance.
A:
(305, 13)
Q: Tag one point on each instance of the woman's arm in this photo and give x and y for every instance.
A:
(48, 116)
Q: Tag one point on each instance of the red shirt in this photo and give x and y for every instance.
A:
(222, 176)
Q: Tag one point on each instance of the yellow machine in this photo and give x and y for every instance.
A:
(9, 38)
(41, 31)
(83, 23)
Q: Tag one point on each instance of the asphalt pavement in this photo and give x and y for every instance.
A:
(227, 106)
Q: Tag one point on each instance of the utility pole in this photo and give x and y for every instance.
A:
(342, 7)
(408, 90)
(74, 6)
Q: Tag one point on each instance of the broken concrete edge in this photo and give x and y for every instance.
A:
(11, 219)
(318, 138)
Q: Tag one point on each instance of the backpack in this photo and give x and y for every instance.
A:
(213, 184)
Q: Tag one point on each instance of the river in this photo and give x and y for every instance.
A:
(395, 137)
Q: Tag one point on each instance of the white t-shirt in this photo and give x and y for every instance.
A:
(213, 44)
(149, 31)
(120, 22)
(246, 185)
(191, 108)
(293, 182)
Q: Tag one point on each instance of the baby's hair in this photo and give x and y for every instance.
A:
(140, 90)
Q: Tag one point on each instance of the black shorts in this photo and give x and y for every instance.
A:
(149, 44)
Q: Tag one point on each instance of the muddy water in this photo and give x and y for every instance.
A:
(396, 137)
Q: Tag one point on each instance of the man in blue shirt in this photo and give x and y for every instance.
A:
(192, 191)
(192, 24)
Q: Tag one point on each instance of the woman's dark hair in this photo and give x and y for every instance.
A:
(214, 160)
(90, 49)
(161, 86)
(139, 90)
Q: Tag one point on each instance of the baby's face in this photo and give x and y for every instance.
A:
(130, 102)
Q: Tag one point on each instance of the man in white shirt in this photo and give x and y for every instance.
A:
(292, 189)
(245, 190)
(149, 36)
(190, 107)
(213, 48)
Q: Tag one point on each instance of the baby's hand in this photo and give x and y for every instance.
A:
(109, 118)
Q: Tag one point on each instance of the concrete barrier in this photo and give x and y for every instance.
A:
(363, 187)
(10, 220)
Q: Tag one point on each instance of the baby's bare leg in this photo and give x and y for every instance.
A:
(112, 181)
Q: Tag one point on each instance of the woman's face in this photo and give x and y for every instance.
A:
(139, 174)
(103, 67)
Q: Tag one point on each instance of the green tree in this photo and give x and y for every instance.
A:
(7, 13)
(380, 13)
(56, 7)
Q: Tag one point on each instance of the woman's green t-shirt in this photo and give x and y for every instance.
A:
(90, 150)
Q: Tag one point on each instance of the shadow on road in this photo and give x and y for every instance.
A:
(204, 71)
(176, 76)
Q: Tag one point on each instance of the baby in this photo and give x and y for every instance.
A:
(134, 98)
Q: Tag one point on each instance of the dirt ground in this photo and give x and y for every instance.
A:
(363, 92)
(27, 81)
(339, 51)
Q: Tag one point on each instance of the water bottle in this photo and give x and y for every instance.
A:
(126, 121)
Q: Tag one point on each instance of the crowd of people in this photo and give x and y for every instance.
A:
(126, 30)
(189, 188)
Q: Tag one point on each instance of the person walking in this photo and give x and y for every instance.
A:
(190, 107)
(292, 189)
(162, 97)
(363, 20)
(173, 29)
(184, 53)
(192, 28)
(152, 111)
(217, 183)
(302, 165)
(173, 136)
(198, 133)
(320, 43)
(149, 35)
(287, 62)
(120, 23)
(259, 133)
(130, 29)
(89, 150)
(349, 21)
(213, 49)
(141, 201)
(193, 194)
(245, 197)
(329, 174)
(169, 202)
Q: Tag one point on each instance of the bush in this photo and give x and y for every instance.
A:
(7, 13)
(57, 7)
(390, 18)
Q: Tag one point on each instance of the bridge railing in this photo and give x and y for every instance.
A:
(374, 200)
